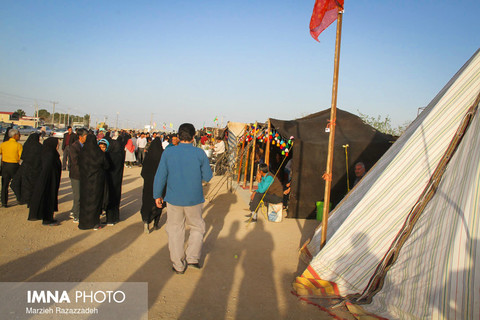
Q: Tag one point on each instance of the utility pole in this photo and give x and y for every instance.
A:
(151, 121)
(36, 114)
(116, 123)
(53, 112)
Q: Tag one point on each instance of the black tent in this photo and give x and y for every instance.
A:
(309, 156)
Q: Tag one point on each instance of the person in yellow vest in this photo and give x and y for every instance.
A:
(11, 152)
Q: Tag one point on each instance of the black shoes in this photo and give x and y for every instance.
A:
(51, 223)
(98, 226)
(195, 265)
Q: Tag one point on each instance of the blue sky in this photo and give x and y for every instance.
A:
(192, 61)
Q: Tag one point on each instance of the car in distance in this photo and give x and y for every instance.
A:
(26, 130)
(58, 133)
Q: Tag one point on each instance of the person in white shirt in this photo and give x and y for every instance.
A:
(219, 147)
(141, 144)
(165, 142)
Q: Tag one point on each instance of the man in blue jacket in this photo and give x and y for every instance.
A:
(182, 170)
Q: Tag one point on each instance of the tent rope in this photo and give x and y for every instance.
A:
(375, 283)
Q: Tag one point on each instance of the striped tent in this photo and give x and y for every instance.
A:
(405, 244)
(236, 130)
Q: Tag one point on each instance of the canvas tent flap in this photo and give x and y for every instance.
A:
(309, 156)
(434, 275)
(236, 128)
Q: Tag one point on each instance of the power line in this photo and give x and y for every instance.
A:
(22, 97)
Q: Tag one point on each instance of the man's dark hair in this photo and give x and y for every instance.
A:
(263, 167)
(186, 132)
(81, 132)
(69, 127)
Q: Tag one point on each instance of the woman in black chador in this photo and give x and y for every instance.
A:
(149, 210)
(92, 164)
(44, 200)
(114, 175)
(26, 176)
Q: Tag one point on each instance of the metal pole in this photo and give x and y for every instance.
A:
(36, 113)
(53, 113)
(331, 140)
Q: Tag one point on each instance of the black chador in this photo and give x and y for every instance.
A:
(114, 175)
(24, 181)
(44, 201)
(149, 210)
(92, 164)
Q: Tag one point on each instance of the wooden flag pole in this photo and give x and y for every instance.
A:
(253, 155)
(333, 115)
(246, 167)
(241, 154)
(267, 147)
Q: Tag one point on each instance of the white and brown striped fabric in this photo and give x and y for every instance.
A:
(437, 272)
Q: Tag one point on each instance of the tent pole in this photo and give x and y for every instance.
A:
(267, 151)
(346, 163)
(246, 168)
(240, 155)
(333, 115)
(253, 155)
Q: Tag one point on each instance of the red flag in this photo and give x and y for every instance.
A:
(324, 13)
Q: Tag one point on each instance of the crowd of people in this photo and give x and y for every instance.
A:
(173, 170)
(95, 162)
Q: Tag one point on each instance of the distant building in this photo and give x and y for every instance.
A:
(12, 117)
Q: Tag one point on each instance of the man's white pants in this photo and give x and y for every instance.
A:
(176, 218)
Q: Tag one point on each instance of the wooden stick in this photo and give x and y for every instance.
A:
(267, 151)
(240, 155)
(346, 162)
(252, 165)
(246, 168)
(331, 139)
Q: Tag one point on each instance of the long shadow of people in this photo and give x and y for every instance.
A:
(455, 296)
(358, 257)
(130, 203)
(257, 294)
(214, 221)
(210, 298)
(78, 268)
(15, 271)
(149, 272)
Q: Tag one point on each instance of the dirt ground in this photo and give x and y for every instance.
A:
(247, 270)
